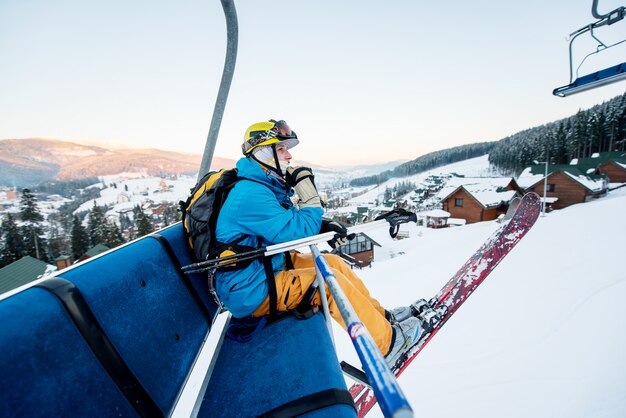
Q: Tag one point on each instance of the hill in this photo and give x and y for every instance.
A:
(25, 162)
(426, 162)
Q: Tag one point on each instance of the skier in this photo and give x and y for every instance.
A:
(260, 212)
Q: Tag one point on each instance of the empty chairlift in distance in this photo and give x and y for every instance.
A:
(599, 78)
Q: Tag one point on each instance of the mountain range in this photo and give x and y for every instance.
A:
(30, 161)
(26, 162)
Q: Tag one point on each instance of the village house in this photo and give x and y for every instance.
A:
(566, 184)
(359, 251)
(94, 251)
(23, 271)
(610, 164)
(478, 199)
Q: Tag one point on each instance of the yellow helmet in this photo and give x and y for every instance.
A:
(268, 133)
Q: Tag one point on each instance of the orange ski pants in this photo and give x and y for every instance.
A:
(291, 286)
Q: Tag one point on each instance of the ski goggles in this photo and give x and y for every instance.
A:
(279, 132)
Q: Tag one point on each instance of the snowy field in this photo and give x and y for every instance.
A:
(473, 167)
(543, 336)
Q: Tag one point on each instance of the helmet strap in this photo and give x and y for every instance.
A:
(276, 169)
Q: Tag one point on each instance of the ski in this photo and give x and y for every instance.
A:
(518, 221)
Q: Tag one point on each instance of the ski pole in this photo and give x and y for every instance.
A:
(393, 219)
(277, 248)
(392, 401)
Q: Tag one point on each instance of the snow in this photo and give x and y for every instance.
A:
(136, 190)
(473, 167)
(436, 213)
(527, 179)
(593, 185)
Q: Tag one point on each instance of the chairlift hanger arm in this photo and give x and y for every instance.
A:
(232, 29)
(599, 78)
(610, 17)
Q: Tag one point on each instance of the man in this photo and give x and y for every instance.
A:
(259, 211)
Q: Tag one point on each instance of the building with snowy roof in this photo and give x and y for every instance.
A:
(478, 199)
(567, 184)
(611, 164)
(23, 271)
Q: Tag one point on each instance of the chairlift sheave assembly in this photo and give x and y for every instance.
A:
(598, 78)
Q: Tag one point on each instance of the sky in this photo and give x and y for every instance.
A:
(359, 81)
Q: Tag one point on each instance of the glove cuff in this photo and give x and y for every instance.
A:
(308, 194)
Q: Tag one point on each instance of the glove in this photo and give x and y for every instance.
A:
(301, 179)
(341, 237)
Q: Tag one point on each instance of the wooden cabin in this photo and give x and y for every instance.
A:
(614, 171)
(359, 251)
(610, 164)
(567, 184)
(478, 199)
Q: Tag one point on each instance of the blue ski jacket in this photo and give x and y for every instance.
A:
(260, 208)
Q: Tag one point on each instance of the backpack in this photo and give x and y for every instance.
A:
(199, 218)
(201, 209)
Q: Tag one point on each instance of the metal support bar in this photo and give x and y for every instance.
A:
(222, 95)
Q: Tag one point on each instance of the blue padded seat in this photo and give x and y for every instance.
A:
(288, 360)
(47, 368)
(176, 239)
(139, 297)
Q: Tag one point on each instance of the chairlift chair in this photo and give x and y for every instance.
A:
(598, 78)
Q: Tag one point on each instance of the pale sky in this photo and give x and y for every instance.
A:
(359, 81)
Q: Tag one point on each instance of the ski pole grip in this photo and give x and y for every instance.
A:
(392, 401)
(397, 217)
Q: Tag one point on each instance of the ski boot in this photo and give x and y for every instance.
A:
(421, 309)
(405, 335)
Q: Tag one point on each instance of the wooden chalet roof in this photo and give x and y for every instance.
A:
(590, 165)
(535, 174)
(488, 191)
(97, 249)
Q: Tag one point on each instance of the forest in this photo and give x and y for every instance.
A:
(427, 162)
(598, 129)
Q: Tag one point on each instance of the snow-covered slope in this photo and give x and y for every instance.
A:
(473, 167)
(543, 336)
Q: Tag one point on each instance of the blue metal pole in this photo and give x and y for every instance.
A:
(390, 397)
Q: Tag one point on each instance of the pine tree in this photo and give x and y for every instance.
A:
(97, 226)
(144, 226)
(80, 239)
(13, 245)
(170, 215)
(114, 236)
(58, 240)
(29, 212)
(31, 231)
